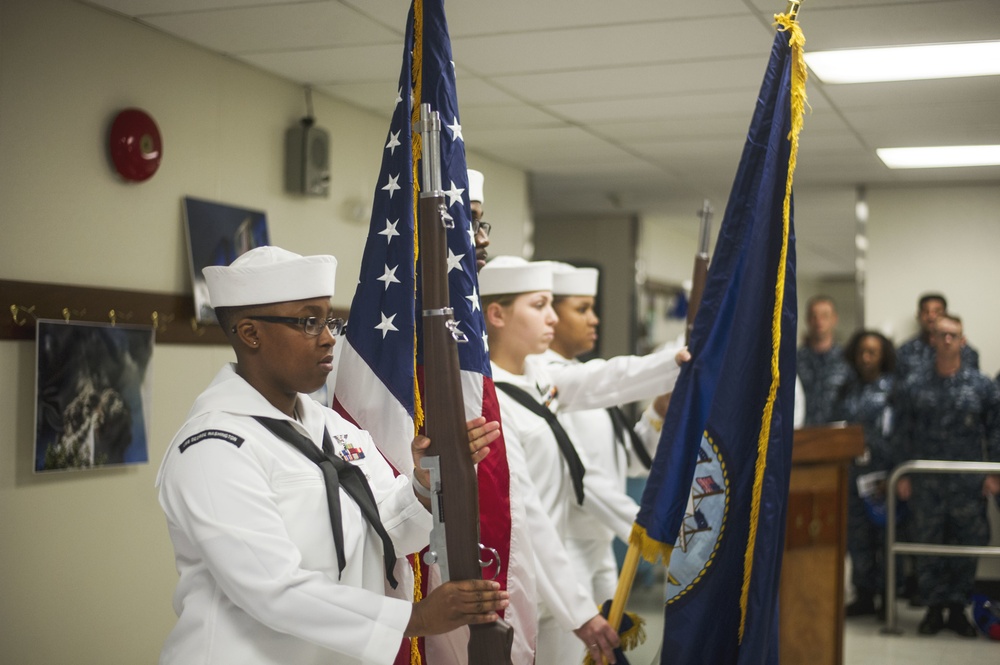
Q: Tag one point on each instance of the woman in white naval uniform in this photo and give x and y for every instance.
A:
(517, 303)
(254, 529)
(608, 450)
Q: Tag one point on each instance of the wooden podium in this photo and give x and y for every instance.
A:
(812, 570)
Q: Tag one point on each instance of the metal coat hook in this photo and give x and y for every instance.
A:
(30, 311)
(68, 313)
(160, 321)
(114, 315)
(196, 327)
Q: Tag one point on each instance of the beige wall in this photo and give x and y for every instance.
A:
(608, 243)
(944, 239)
(87, 567)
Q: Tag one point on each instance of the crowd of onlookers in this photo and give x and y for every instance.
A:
(924, 400)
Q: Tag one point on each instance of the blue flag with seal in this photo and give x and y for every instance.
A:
(715, 503)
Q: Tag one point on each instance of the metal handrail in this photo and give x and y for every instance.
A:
(892, 548)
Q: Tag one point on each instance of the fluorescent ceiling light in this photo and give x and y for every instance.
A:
(906, 63)
(940, 157)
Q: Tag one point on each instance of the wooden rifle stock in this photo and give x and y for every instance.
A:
(454, 486)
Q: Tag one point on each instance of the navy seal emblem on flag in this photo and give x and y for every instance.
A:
(704, 522)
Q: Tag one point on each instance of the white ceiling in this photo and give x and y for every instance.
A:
(636, 105)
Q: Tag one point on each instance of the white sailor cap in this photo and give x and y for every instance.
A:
(270, 274)
(476, 180)
(512, 274)
(568, 280)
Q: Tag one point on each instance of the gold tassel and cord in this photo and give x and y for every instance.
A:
(796, 41)
(416, 74)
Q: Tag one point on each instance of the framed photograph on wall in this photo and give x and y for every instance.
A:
(218, 233)
(92, 394)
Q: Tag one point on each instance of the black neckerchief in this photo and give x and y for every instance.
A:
(337, 473)
(623, 430)
(569, 453)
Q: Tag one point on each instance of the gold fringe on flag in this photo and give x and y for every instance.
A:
(786, 23)
(416, 73)
(649, 548)
(416, 147)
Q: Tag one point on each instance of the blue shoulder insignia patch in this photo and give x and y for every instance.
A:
(211, 434)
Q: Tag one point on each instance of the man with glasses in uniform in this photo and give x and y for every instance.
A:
(948, 411)
(480, 227)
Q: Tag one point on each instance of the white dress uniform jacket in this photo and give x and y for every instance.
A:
(566, 601)
(588, 540)
(248, 517)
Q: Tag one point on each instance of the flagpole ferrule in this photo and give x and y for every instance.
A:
(793, 9)
(429, 128)
(704, 236)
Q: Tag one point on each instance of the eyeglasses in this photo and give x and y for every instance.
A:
(948, 335)
(311, 325)
(478, 225)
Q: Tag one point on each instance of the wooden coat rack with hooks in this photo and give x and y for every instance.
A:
(171, 315)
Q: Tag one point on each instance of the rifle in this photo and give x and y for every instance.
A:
(700, 274)
(454, 544)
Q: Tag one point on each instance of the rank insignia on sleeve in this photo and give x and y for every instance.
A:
(211, 434)
(345, 449)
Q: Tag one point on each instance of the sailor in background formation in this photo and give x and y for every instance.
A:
(552, 474)
(820, 363)
(285, 519)
(947, 411)
(917, 353)
(865, 400)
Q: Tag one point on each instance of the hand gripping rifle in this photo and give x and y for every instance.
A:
(454, 541)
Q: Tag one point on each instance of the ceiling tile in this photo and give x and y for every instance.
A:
(901, 23)
(145, 8)
(474, 17)
(475, 118)
(584, 48)
(348, 64)
(634, 81)
(303, 26)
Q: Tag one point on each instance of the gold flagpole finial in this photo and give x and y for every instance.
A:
(793, 9)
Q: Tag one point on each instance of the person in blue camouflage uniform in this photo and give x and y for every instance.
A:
(918, 353)
(948, 411)
(864, 400)
(820, 361)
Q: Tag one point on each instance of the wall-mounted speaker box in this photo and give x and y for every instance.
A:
(307, 160)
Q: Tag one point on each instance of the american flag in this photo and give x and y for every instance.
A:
(381, 360)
